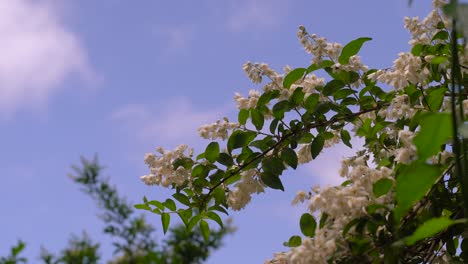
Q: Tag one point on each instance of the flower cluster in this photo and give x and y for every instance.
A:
(217, 130)
(163, 171)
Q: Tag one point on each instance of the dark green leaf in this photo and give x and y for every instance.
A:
(272, 165)
(205, 230)
(294, 241)
(351, 49)
(293, 76)
(280, 108)
(257, 119)
(182, 198)
(240, 139)
(185, 215)
(317, 145)
(289, 156)
(215, 217)
(298, 96)
(346, 138)
(212, 152)
(170, 204)
(193, 222)
(443, 35)
(225, 159)
(323, 220)
(332, 86)
(382, 187)
(271, 180)
(158, 204)
(243, 116)
(436, 129)
(311, 102)
(165, 219)
(308, 225)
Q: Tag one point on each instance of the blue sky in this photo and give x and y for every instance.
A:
(119, 78)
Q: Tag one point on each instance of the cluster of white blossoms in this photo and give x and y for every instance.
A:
(241, 195)
(399, 108)
(162, 167)
(406, 69)
(249, 102)
(217, 130)
(318, 46)
(407, 152)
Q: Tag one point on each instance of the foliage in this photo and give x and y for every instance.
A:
(134, 238)
(405, 194)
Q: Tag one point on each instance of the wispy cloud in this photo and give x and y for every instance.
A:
(256, 14)
(174, 38)
(37, 53)
(171, 123)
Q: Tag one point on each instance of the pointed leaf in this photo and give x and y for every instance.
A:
(165, 219)
(205, 230)
(293, 76)
(212, 152)
(351, 49)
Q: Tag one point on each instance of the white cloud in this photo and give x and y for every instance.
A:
(37, 53)
(174, 38)
(256, 14)
(172, 123)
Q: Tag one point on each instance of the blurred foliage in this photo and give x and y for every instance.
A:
(132, 236)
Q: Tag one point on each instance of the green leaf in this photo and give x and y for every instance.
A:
(215, 217)
(212, 152)
(205, 230)
(266, 97)
(158, 204)
(193, 222)
(185, 215)
(351, 49)
(443, 35)
(294, 241)
(293, 76)
(429, 229)
(165, 219)
(225, 159)
(280, 108)
(311, 102)
(417, 49)
(332, 86)
(240, 139)
(142, 207)
(273, 165)
(317, 145)
(289, 156)
(438, 59)
(257, 119)
(346, 138)
(308, 225)
(382, 187)
(436, 129)
(412, 183)
(436, 98)
(170, 204)
(323, 220)
(271, 180)
(243, 116)
(298, 96)
(182, 198)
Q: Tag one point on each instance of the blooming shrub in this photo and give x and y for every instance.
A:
(404, 193)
